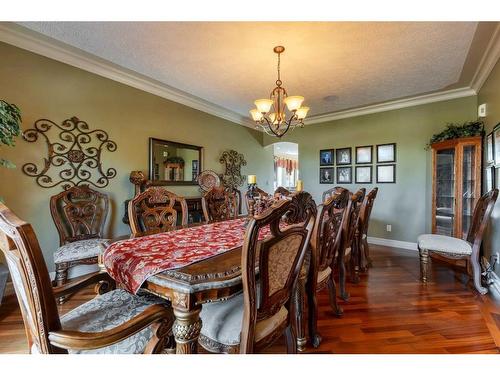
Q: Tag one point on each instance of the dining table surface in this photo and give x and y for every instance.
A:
(213, 278)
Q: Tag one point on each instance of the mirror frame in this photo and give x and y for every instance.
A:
(152, 141)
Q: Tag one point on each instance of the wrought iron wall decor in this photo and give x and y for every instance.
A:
(233, 161)
(74, 158)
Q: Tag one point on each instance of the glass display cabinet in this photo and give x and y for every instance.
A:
(456, 184)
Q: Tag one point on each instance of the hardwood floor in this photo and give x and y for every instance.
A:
(389, 311)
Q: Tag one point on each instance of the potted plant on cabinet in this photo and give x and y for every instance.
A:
(10, 120)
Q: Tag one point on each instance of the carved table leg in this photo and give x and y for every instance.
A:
(186, 330)
(299, 295)
(424, 264)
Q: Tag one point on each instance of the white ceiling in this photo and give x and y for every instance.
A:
(334, 65)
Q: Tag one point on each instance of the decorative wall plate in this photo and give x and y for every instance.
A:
(208, 179)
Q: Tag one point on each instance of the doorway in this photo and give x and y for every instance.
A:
(286, 164)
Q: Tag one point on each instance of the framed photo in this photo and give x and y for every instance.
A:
(496, 144)
(386, 153)
(386, 174)
(344, 175)
(490, 149)
(364, 154)
(363, 174)
(489, 176)
(326, 175)
(326, 157)
(343, 156)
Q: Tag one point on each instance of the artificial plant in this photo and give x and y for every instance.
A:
(454, 130)
(10, 120)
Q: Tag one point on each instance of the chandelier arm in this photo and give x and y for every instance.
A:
(269, 124)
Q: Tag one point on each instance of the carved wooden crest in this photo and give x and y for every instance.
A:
(233, 162)
(73, 158)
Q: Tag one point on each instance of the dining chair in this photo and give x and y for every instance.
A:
(456, 248)
(255, 318)
(79, 214)
(155, 211)
(326, 240)
(364, 260)
(281, 192)
(328, 193)
(114, 322)
(348, 247)
(219, 204)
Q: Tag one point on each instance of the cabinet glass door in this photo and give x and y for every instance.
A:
(445, 192)
(468, 187)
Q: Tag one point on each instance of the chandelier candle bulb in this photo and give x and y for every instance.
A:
(252, 179)
(300, 185)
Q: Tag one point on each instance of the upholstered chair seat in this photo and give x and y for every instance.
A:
(80, 250)
(444, 244)
(222, 321)
(108, 311)
(323, 275)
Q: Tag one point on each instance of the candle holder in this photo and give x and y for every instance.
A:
(250, 198)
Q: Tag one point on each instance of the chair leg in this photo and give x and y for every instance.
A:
(476, 274)
(299, 296)
(291, 341)
(313, 318)
(332, 293)
(61, 278)
(354, 262)
(342, 278)
(424, 264)
(365, 252)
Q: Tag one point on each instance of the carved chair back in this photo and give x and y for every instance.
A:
(280, 257)
(281, 192)
(31, 280)
(480, 218)
(327, 234)
(219, 204)
(79, 213)
(366, 210)
(256, 194)
(351, 224)
(153, 211)
(328, 193)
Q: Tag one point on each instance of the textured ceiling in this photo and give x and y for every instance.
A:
(335, 65)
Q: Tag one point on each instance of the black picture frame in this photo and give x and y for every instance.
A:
(393, 181)
(340, 153)
(490, 149)
(322, 179)
(340, 178)
(386, 160)
(357, 155)
(496, 144)
(323, 154)
(367, 167)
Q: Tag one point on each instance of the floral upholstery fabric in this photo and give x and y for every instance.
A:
(322, 275)
(444, 244)
(221, 321)
(281, 258)
(80, 250)
(108, 311)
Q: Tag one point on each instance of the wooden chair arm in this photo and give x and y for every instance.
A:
(81, 282)
(77, 340)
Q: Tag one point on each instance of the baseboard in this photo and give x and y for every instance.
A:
(393, 243)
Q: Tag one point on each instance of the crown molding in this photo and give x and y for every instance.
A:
(395, 104)
(40, 44)
(488, 61)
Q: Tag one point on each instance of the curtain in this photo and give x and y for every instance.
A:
(286, 172)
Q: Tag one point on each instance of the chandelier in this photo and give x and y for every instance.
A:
(270, 114)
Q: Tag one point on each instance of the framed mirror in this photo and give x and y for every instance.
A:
(173, 163)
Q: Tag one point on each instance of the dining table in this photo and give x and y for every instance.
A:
(208, 276)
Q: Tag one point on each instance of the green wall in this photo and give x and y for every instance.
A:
(44, 88)
(490, 94)
(406, 204)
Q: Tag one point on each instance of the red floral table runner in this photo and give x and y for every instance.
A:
(131, 262)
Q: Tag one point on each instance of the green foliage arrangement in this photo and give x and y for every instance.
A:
(453, 131)
(10, 120)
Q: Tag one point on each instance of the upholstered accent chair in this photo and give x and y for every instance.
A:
(79, 214)
(363, 256)
(153, 211)
(114, 322)
(219, 204)
(456, 248)
(326, 240)
(255, 318)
